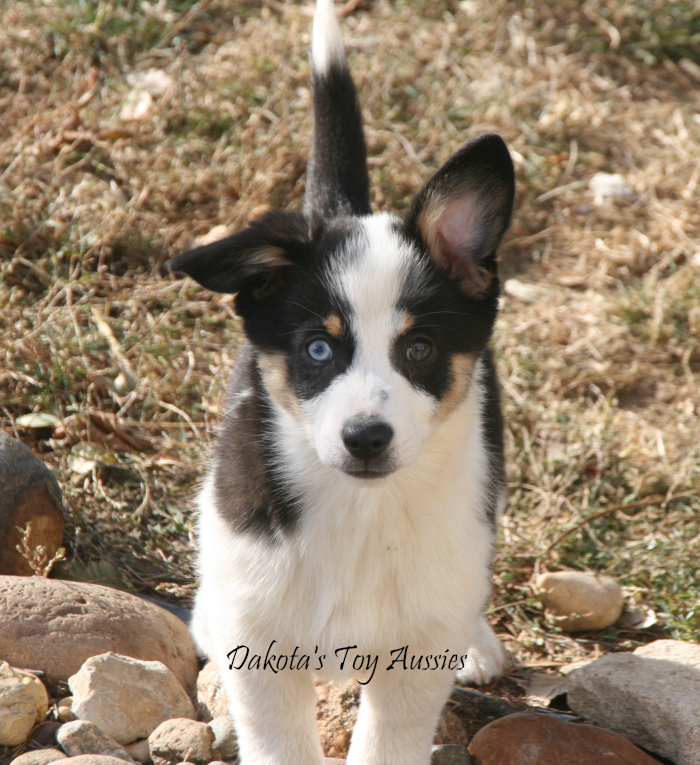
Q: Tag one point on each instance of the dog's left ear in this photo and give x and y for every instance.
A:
(464, 210)
(251, 263)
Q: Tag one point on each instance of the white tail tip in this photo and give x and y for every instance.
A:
(327, 42)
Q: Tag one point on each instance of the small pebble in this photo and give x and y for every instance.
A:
(83, 737)
(580, 601)
(608, 187)
(65, 710)
(225, 741)
(179, 737)
(450, 754)
(45, 734)
(139, 750)
(94, 759)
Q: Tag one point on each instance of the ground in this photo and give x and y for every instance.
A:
(130, 129)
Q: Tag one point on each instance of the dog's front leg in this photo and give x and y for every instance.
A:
(398, 717)
(275, 717)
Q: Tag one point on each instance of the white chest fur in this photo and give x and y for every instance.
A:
(377, 566)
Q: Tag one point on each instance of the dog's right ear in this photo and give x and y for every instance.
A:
(252, 262)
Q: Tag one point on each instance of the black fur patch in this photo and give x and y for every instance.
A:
(493, 426)
(249, 494)
(457, 323)
(338, 182)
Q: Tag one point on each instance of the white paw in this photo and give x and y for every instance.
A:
(486, 657)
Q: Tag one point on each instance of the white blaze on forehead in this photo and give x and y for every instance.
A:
(379, 269)
(373, 273)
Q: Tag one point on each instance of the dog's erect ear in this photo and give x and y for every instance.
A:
(464, 210)
(251, 262)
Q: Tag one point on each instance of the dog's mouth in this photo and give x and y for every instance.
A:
(370, 475)
(370, 470)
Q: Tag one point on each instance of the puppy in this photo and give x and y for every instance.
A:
(347, 521)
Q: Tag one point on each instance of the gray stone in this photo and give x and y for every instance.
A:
(181, 740)
(127, 698)
(39, 757)
(450, 754)
(579, 601)
(672, 650)
(56, 626)
(225, 741)
(93, 759)
(64, 709)
(610, 187)
(139, 750)
(84, 737)
(211, 697)
(30, 494)
(45, 734)
(654, 700)
(23, 703)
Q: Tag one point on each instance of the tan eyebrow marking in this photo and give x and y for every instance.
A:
(406, 322)
(461, 372)
(334, 325)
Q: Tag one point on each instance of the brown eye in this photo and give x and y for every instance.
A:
(419, 350)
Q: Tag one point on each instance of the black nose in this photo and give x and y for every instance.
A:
(366, 438)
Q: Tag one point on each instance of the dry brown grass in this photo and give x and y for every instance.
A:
(600, 372)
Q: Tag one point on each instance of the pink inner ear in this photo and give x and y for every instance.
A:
(459, 236)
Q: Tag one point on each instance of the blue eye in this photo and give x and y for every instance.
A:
(419, 350)
(319, 351)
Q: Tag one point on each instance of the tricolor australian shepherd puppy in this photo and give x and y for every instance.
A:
(347, 521)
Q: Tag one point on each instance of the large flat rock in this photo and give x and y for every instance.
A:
(651, 696)
(55, 626)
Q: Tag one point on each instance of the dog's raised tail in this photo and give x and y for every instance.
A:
(337, 180)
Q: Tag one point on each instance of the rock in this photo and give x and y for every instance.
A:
(127, 698)
(451, 729)
(528, 738)
(138, 750)
(225, 741)
(83, 737)
(174, 740)
(211, 697)
(23, 703)
(64, 709)
(580, 601)
(94, 759)
(55, 626)
(213, 235)
(450, 754)
(650, 697)
(30, 494)
(155, 81)
(528, 293)
(38, 757)
(607, 187)
(336, 714)
(672, 650)
(45, 734)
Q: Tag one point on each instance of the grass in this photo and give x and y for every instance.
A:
(600, 374)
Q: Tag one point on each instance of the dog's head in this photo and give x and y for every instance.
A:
(368, 328)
